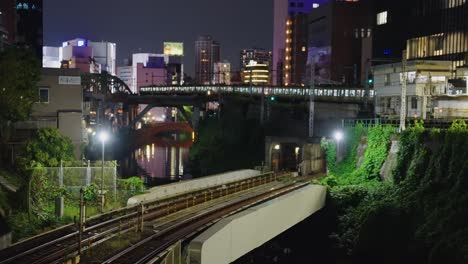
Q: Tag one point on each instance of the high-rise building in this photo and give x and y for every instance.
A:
(21, 24)
(293, 11)
(429, 29)
(337, 36)
(28, 31)
(295, 51)
(222, 73)
(175, 66)
(207, 52)
(7, 22)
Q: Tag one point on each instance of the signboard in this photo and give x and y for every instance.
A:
(174, 48)
(70, 80)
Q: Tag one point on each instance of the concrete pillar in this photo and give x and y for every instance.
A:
(424, 107)
(173, 162)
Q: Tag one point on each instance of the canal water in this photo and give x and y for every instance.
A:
(162, 164)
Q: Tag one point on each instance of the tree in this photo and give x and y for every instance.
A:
(47, 148)
(19, 74)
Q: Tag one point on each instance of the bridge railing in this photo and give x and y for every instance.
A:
(256, 90)
(371, 122)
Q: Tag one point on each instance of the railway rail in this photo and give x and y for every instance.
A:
(59, 244)
(149, 249)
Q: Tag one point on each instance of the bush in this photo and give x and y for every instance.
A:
(90, 193)
(132, 185)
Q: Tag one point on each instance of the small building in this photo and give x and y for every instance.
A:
(430, 92)
(60, 106)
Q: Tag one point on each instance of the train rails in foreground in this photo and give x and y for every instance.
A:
(61, 244)
(149, 249)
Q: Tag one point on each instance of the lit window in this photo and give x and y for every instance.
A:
(315, 5)
(382, 18)
(303, 49)
(454, 3)
(44, 95)
(387, 80)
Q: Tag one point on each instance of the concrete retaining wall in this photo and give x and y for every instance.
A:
(168, 190)
(239, 234)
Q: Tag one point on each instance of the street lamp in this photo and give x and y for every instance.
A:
(338, 135)
(103, 137)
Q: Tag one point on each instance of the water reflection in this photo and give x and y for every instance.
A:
(162, 164)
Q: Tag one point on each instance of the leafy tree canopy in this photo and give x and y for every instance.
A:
(19, 74)
(48, 147)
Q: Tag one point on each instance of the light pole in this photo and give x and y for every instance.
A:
(338, 135)
(103, 136)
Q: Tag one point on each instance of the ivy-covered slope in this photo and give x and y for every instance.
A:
(420, 217)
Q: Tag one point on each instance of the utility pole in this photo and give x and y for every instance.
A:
(403, 94)
(311, 98)
(366, 85)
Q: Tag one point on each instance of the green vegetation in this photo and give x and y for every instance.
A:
(47, 148)
(222, 143)
(421, 216)
(19, 74)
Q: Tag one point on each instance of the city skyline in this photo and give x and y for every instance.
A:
(145, 32)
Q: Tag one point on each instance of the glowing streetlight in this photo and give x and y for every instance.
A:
(338, 135)
(103, 137)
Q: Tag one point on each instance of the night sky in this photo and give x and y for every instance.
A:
(143, 25)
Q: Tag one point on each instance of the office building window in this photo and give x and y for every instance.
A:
(414, 103)
(382, 18)
(292, 4)
(44, 95)
(300, 4)
(387, 79)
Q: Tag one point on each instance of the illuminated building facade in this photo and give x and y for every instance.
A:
(207, 52)
(295, 52)
(29, 25)
(339, 42)
(287, 10)
(222, 73)
(427, 29)
(259, 55)
(79, 53)
(21, 24)
(256, 73)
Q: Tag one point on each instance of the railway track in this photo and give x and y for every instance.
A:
(149, 249)
(58, 245)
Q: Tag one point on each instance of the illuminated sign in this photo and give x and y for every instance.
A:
(174, 48)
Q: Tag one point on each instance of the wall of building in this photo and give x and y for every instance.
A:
(64, 107)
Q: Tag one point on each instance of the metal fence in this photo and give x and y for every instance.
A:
(74, 178)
